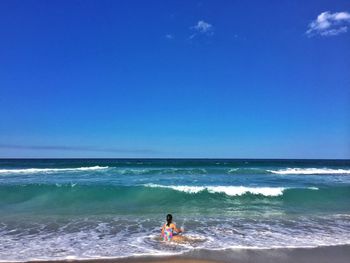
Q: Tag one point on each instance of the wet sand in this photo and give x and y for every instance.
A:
(333, 254)
(170, 259)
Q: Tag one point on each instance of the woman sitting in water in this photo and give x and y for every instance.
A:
(169, 230)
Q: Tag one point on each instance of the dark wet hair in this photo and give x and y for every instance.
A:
(169, 218)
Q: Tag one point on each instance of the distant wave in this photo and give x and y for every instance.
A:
(159, 171)
(247, 170)
(50, 170)
(182, 170)
(310, 171)
(228, 190)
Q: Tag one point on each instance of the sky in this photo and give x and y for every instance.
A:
(182, 79)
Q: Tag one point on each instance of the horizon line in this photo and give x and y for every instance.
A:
(170, 158)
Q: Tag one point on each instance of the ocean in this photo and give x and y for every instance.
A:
(110, 208)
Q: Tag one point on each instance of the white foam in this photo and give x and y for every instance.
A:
(241, 190)
(310, 171)
(50, 170)
(121, 237)
(228, 190)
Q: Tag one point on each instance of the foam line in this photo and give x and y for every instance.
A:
(50, 170)
(310, 171)
(228, 190)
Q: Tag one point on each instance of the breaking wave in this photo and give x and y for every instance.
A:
(50, 170)
(183, 171)
(310, 171)
(228, 190)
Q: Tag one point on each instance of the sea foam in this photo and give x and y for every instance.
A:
(228, 190)
(50, 170)
(310, 171)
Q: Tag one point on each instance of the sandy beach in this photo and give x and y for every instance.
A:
(334, 254)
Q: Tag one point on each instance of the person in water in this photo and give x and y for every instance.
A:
(169, 230)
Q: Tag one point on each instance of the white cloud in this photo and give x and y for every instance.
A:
(169, 36)
(202, 27)
(329, 24)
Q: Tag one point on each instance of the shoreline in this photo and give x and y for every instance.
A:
(323, 254)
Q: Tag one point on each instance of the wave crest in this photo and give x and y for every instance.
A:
(50, 170)
(310, 171)
(228, 190)
(160, 171)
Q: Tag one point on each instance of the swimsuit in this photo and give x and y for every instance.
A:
(167, 233)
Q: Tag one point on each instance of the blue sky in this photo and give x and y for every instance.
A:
(233, 79)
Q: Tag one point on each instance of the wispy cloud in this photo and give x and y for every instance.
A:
(329, 24)
(74, 148)
(169, 36)
(203, 28)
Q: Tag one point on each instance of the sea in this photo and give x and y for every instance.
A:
(53, 209)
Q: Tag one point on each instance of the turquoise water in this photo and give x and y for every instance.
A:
(91, 208)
